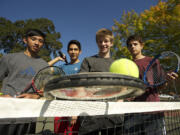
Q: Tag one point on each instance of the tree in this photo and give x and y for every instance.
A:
(159, 27)
(11, 34)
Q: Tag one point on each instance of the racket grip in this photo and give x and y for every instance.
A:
(64, 57)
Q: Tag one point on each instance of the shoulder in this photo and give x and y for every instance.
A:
(91, 57)
(12, 56)
(146, 58)
(96, 57)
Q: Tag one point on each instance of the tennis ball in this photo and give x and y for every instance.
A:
(1, 93)
(125, 67)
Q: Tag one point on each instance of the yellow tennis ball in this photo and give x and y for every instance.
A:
(125, 67)
(1, 93)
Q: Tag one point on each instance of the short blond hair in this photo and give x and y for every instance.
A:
(104, 33)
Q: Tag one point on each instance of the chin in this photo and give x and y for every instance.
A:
(36, 52)
(104, 52)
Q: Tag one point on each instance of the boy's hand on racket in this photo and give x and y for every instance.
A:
(172, 76)
(28, 95)
(74, 120)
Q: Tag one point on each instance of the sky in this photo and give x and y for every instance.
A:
(74, 19)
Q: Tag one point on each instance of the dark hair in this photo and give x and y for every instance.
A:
(134, 37)
(34, 32)
(74, 42)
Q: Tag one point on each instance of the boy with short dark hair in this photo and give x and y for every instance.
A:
(17, 71)
(62, 124)
(157, 125)
(74, 50)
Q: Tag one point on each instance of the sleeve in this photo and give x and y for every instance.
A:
(3, 68)
(85, 66)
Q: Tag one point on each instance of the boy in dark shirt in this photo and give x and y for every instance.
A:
(100, 63)
(156, 122)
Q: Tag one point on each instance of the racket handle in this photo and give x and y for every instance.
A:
(62, 55)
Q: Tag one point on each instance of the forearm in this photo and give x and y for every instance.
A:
(52, 62)
(31, 96)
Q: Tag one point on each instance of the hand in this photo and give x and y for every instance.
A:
(120, 100)
(60, 58)
(172, 76)
(73, 120)
(28, 95)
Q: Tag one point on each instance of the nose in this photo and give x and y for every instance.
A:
(37, 42)
(73, 50)
(103, 43)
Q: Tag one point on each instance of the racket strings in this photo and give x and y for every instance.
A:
(44, 76)
(169, 63)
(156, 74)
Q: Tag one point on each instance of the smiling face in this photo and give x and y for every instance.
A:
(74, 52)
(104, 44)
(34, 43)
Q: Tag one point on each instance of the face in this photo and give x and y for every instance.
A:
(34, 43)
(104, 45)
(135, 47)
(74, 52)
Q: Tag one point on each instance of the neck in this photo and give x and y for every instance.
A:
(30, 54)
(104, 55)
(137, 57)
(75, 61)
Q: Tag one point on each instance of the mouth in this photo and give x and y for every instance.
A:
(73, 56)
(35, 48)
(104, 47)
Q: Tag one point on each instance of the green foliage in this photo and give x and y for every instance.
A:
(159, 27)
(11, 34)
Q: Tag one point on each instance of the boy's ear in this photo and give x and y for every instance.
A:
(142, 44)
(25, 40)
(112, 44)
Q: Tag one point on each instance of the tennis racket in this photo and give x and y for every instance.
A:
(42, 77)
(156, 72)
(62, 56)
(94, 86)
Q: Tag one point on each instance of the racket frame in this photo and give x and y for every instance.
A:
(92, 79)
(32, 84)
(152, 61)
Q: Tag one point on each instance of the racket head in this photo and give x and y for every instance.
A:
(156, 72)
(98, 86)
(44, 76)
